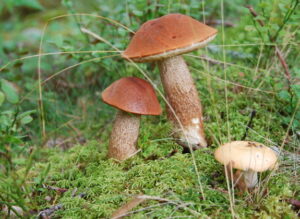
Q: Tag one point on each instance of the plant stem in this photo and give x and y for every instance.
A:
(252, 115)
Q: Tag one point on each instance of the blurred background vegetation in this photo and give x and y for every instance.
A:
(72, 110)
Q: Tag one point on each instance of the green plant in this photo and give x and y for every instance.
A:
(289, 101)
(16, 152)
(11, 4)
(12, 123)
(277, 24)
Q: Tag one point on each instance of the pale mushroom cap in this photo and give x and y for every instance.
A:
(133, 95)
(246, 155)
(167, 36)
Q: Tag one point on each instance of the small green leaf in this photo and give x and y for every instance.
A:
(137, 13)
(296, 89)
(2, 98)
(27, 113)
(284, 95)
(10, 92)
(26, 120)
(30, 4)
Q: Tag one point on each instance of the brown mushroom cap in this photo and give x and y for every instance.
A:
(170, 35)
(246, 155)
(133, 95)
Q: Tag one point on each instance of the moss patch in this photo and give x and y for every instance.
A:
(108, 184)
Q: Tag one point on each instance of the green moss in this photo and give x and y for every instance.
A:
(109, 184)
(153, 171)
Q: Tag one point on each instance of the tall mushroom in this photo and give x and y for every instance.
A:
(133, 97)
(248, 157)
(164, 40)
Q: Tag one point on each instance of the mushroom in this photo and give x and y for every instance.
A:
(248, 157)
(164, 40)
(133, 97)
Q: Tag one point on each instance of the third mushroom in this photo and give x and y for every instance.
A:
(249, 158)
(164, 40)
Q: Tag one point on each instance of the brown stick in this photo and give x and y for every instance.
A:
(284, 65)
(124, 209)
(220, 22)
(179, 204)
(212, 61)
(46, 213)
(57, 189)
(295, 203)
(254, 14)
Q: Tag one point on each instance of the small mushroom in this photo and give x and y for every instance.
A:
(164, 40)
(249, 157)
(133, 97)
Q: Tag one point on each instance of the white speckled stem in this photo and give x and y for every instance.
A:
(124, 135)
(183, 97)
(250, 178)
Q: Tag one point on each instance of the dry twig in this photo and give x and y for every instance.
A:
(220, 22)
(254, 14)
(46, 213)
(124, 210)
(284, 65)
(57, 189)
(179, 204)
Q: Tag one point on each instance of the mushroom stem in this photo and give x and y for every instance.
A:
(183, 97)
(125, 131)
(250, 178)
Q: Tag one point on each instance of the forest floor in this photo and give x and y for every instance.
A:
(54, 128)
